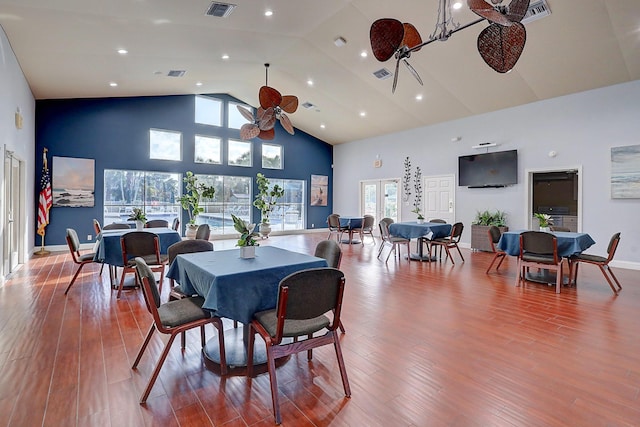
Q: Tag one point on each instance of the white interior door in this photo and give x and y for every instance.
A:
(12, 217)
(380, 199)
(440, 197)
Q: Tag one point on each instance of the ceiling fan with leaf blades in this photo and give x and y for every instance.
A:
(499, 45)
(273, 106)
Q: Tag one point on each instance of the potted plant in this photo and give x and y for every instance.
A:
(247, 241)
(138, 215)
(544, 221)
(266, 201)
(480, 227)
(190, 200)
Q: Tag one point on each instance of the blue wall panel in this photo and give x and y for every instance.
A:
(115, 132)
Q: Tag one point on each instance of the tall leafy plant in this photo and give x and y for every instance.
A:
(194, 192)
(266, 199)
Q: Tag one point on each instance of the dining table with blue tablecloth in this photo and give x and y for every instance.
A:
(237, 288)
(350, 224)
(569, 243)
(420, 231)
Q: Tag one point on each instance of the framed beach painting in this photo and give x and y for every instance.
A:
(625, 172)
(73, 182)
(319, 190)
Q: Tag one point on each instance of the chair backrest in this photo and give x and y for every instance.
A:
(384, 229)
(116, 226)
(438, 221)
(157, 223)
(188, 247)
(387, 221)
(539, 243)
(368, 222)
(73, 242)
(307, 294)
(494, 234)
(203, 232)
(150, 288)
(456, 231)
(329, 250)
(334, 221)
(613, 245)
(176, 224)
(96, 226)
(140, 244)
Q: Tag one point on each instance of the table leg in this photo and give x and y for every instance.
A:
(420, 256)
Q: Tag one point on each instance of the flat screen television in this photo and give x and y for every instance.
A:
(488, 170)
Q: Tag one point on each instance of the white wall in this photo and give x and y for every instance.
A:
(581, 128)
(15, 93)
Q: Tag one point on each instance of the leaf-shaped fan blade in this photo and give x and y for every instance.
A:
(246, 113)
(386, 36)
(484, 9)
(500, 47)
(517, 10)
(286, 123)
(289, 103)
(411, 36)
(267, 120)
(413, 71)
(395, 76)
(249, 131)
(269, 97)
(265, 114)
(267, 135)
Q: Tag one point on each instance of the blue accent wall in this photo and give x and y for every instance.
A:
(115, 132)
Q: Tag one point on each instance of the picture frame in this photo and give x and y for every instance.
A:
(319, 190)
(73, 182)
(625, 172)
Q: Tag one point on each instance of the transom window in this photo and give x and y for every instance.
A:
(208, 111)
(235, 118)
(239, 153)
(272, 156)
(165, 145)
(208, 149)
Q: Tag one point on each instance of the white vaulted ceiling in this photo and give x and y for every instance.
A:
(67, 49)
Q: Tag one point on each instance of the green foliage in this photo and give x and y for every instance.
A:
(497, 218)
(247, 232)
(543, 219)
(195, 191)
(137, 214)
(266, 199)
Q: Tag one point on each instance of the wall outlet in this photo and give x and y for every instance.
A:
(313, 225)
(89, 237)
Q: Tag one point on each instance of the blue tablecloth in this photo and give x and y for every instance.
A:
(413, 230)
(109, 249)
(351, 222)
(568, 243)
(237, 288)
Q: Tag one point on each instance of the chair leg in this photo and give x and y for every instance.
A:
(121, 286)
(613, 276)
(393, 249)
(274, 385)
(495, 257)
(74, 278)
(183, 339)
(559, 277)
(343, 370)
(156, 371)
(341, 326)
(459, 252)
(520, 271)
(217, 322)
(502, 258)
(144, 345)
(604, 273)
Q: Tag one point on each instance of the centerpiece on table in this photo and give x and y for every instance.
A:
(544, 221)
(266, 201)
(190, 200)
(247, 241)
(137, 215)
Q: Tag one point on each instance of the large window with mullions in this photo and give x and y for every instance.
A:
(233, 196)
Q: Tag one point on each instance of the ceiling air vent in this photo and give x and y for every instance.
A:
(382, 73)
(308, 105)
(220, 10)
(176, 73)
(537, 9)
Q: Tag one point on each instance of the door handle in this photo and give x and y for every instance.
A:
(450, 206)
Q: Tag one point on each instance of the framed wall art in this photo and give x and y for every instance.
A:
(319, 190)
(73, 182)
(625, 172)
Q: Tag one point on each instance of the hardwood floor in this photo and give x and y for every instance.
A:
(427, 344)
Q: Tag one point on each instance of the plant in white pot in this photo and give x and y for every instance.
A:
(246, 241)
(266, 201)
(190, 200)
(138, 215)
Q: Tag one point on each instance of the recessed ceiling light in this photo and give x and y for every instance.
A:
(225, 56)
(113, 84)
(419, 97)
(310, 82)
(457, 5)
(198, 83)
(364, 54)
(363, 113)
(123, 51)
(322, 126)
(268, 12)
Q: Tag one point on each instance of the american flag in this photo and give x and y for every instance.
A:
(45, 201)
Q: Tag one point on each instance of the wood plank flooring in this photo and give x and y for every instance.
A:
(427, 344)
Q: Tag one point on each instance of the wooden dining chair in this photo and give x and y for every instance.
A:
(449, 242)
(494, 237)
(330, 251)
(601, 262)
(394, 241)
(79, 259)
(333, 221)
(145, 245)
(304, 299)
(203, 232)
(539, 250)
(176, 224)
(157, 223)
(368, 222)
(172, 318)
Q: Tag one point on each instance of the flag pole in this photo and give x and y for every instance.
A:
(45, 170)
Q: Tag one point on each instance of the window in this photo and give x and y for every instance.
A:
(208, 111)
(236, 119)
(239, 153)
(165, 145)
(289, 212)
(233, 196)
(208, 149)
(157, 193)
(272, 156)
